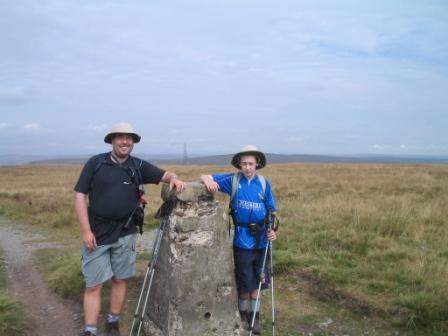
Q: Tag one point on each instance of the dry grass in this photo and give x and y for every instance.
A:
(373, 237)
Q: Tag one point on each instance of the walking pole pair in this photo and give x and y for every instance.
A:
(139, 314)
(273, 225)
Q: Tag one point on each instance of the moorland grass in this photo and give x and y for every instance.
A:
(12, 321)
(62, 271)
(373, 235)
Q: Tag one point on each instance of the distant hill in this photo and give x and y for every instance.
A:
(224, 160)
(67, 159)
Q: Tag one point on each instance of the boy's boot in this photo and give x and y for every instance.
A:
(243, 306)
(244, 314)
(256, 329)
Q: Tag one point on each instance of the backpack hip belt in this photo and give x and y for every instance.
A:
(101, 220)
(262, 222)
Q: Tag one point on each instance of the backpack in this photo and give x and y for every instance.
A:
(235, 182)
(138, 212)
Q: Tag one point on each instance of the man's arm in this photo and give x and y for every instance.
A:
(88, 237)
(171, 178)
(210, 184)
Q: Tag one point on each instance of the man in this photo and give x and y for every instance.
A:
(114, 183)
(250, 204)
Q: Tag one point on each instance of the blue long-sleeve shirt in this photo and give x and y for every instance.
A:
(250, 205)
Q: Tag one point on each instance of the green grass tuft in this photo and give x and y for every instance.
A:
(11, 316)
(62, 271)
(11, 309)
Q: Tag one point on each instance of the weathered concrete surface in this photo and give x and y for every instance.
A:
(194, 291)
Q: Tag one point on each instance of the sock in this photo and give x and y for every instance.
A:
(254, 307)
(92, 328)
(243, 304)
(112, 317)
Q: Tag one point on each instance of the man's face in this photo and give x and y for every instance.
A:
(248, 165)
(122, 145)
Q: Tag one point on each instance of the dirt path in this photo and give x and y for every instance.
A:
(46, 314)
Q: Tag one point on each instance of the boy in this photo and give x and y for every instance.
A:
(251, 202)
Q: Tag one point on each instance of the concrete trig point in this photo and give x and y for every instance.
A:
(194, 289)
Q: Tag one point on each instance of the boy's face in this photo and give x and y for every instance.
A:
(248, 165)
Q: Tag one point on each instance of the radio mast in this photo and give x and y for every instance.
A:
(185, 158)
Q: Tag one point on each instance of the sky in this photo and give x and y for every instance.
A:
(312, 77)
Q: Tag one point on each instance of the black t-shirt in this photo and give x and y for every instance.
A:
(113, 192)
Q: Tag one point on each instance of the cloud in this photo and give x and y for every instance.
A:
(304, 74)
(399, 148)
(378, 147)
(15, 95)
(97, 128)
(32, 126)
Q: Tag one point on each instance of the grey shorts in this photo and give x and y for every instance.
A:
(115, 260)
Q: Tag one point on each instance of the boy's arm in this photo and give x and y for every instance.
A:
(210, 184)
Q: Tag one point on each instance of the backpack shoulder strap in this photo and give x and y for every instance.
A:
(138, 164)
(101, 159)
(235, 181)
(263, 182)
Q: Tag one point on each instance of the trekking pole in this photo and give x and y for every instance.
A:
(139, 315)
(273, 225)
(262, 278)
(275, 222)
(272, 290)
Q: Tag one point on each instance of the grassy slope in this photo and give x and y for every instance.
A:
(376, 234)
(364, 240)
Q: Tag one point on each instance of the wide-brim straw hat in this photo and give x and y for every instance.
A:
(122, 128)
(249, 150)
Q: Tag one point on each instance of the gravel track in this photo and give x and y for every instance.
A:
(46, 313)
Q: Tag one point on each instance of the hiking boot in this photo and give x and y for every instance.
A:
(112, 329)
(256, 329)
(244, 319)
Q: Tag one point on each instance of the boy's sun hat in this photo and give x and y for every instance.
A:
(249, 150)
